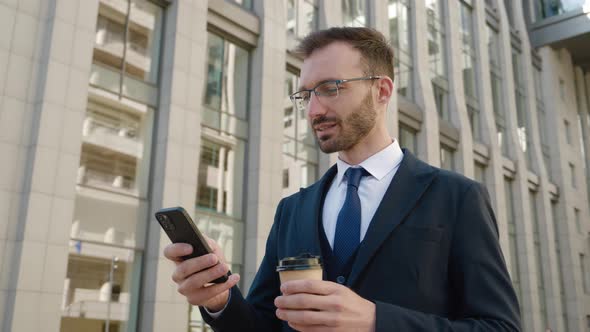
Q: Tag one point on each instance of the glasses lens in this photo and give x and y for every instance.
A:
(327, 89)
(300, 100)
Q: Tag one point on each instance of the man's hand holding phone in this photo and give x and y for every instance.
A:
(194, 276)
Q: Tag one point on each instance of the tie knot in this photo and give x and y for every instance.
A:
(354, 175)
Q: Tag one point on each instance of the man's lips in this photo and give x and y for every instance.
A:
(324, 126)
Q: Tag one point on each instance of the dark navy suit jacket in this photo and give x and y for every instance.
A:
(430, 260)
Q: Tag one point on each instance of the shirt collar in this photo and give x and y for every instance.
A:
(378, 165)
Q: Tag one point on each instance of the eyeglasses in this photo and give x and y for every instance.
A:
(325, 91)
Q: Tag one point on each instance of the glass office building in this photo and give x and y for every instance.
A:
(112, 109)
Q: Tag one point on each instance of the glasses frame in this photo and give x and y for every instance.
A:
(296, 100)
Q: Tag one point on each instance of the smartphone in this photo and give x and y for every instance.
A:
(180, 228)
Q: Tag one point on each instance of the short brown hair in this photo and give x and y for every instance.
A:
(376, 52)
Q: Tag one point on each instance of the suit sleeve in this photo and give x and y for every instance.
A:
(257, 312)
(484, 299)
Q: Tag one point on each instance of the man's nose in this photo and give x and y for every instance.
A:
(315, 107)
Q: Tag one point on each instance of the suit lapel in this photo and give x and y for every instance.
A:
(409, 183)
(308, 213)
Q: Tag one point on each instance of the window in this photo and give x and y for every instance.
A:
(512, 238)
(562, 89)
(447, 157)
(126, 53)
(469, 67)
(579, 226)
(538, 255)
(354, 13)
(440, 100)
(573, 174)
(542, 119)
(106, 238)
(408, 138)
(496, 83)
(509, 12)
(479, 172)
(437, 54)
(556, 233)
(247, 4)
(523, 133)
(399, 31)
(584, 272)
(300, 150)
(568, 132)
(219, 212)
(302, 18)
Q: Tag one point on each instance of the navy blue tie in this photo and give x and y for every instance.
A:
(348, 225)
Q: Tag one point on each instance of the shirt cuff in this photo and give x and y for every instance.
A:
(216, 314)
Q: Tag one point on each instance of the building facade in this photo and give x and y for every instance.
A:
(112, 109)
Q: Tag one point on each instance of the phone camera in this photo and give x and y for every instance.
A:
(165, 222)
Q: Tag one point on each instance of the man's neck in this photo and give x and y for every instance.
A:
(365, 148)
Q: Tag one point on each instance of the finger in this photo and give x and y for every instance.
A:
(215, 247)
(191, 266)
(207, 293)
(307, 317)
(175, 251)
(200, 279)
(319, 287)
(301, 301)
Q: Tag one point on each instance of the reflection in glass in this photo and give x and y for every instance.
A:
(480, 172)
(110, 207)
(447, 157)
(128, 41)
(354, 13)
(221, 174)
(496, 83)
(399, 31)
(302, 18)
(300, 151)
(408, 138)
(98, 287)
(549, 8)
(227, 78)
(436, 38)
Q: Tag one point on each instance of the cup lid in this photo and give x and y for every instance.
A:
(302, 262)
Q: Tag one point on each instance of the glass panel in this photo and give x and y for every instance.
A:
(302, 18)
(247, 4)
(300, 150)
(213, 89)
(469, 59)
(143, 41)
(440, 99)
(354, 13)
(474, 122)
(549, 8)
(408, 138)
(109, 46)
(480, 173)
(98, 287)
(221, 176)
(447, 157)
(399, 30)
(436, 38)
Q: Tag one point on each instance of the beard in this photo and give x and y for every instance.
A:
(353, 128)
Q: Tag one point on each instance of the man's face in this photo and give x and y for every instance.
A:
(338, 123)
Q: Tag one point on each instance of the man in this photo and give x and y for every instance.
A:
(406, 246)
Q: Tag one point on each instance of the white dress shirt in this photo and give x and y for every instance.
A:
(381, 166)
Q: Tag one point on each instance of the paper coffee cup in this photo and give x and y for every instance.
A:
(304, 266)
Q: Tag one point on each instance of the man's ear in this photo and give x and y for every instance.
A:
(384, 90)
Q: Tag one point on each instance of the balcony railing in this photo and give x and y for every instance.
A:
(117, 138)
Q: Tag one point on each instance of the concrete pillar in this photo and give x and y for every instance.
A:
(45, 63)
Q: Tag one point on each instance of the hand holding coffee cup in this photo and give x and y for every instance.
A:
(304, 266)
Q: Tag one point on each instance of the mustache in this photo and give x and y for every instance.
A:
(324, 119)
